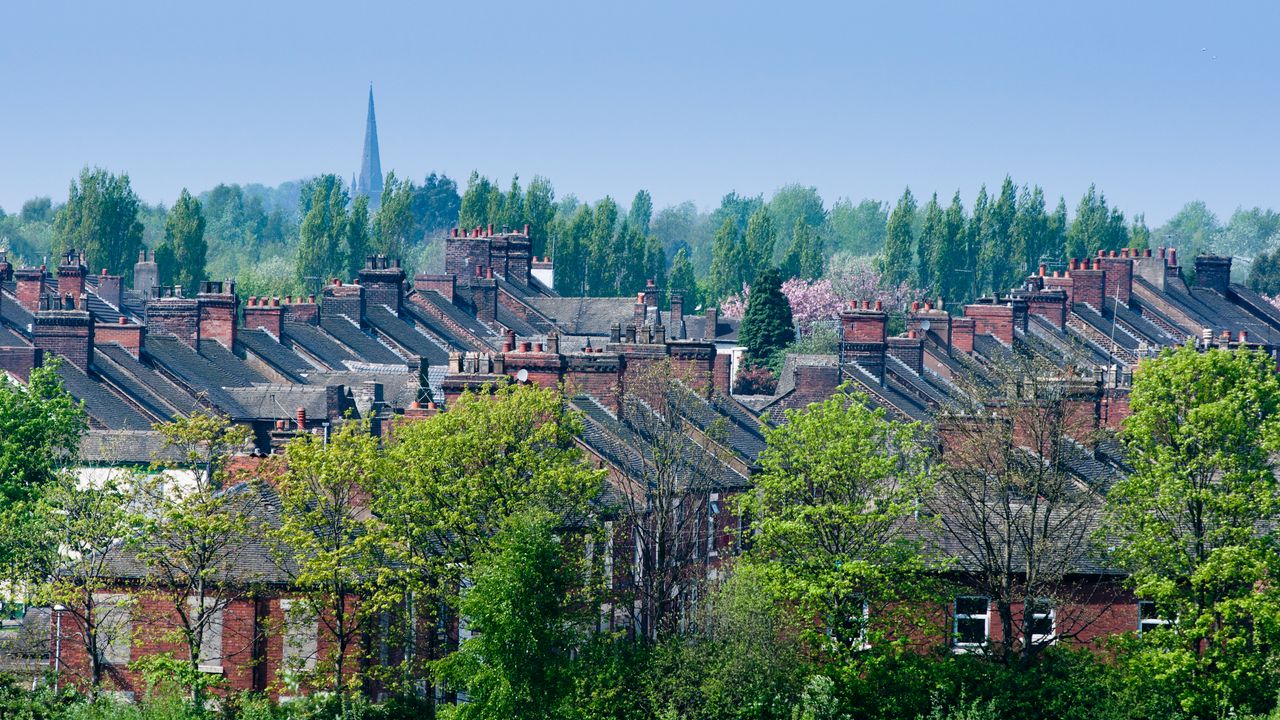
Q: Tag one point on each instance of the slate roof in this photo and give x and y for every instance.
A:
(198, 374)
(281, 402)
(116, 359)
(282, 359)
(104, 407)
(586, 315)
(317, 344)
(406, 335)
(464, 319)
(365, 347)
(111, 447)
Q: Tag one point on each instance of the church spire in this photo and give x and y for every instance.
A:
(370, 180)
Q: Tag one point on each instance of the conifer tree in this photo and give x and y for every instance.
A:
(952, 274)
(682, 280)
(895, 264)
(932, 238)
(766, 325)
(184, 242)
(761, 238)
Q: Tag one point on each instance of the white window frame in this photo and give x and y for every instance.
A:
(608, 554)
(713, 513)
(1147, 623)
(300, 636)
(1052, 616)
(956, 616)
(861, 640)
(114, 621)
(211, 648)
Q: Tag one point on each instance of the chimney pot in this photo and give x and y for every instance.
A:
(915, 305)
(122, 321)
(1042, 269)
(879, 306)
(302, 418)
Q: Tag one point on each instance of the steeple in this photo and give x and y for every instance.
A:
(370, 181)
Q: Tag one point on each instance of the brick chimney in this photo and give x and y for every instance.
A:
(146, 274)
(6, 268)
(909, 350)
(1119, 278)
(1050, 305)
(962, 334)
(340, 300)
(650, 294)
(1213, 272)
(171, 313)
(122, 332)
(111, 289)
(1089, 283)
(484, 296)
(519, 262)
(677, 316)
(862, 336)
(928, 321)
(991, 318)
(30, 283)
(64, 329)
(218, 305)
(640, 310)
(71, 275)
(265, 313)
(711, 328)
(446, 285)
(383, 282)
(302, 310)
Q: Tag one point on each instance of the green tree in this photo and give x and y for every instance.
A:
(524, 606)
(1192, 230)
(40, 430)
(1139, 233)
(356, 242)
(796, 202)
(952, 277)
(1056, 242)
(324, 539)
(838, 486)
(728, 258)
(682, 280)
(572, 253)
(1193, 524)
(766, 325)
(932, 239)
(804, 258)
(641, 212)
(1264, 274)
(602, 250)
(512, 213)
(1095, 227)
(100, 218)
(899, 242)
(858, 229)
(322, 234)
(435, 205)
(761, 237)
(539, 211)
(1248, 233)
(976, 232)
(474, 208)
(393, 224)
(184, 242)
(1029, 234)
(995, 264)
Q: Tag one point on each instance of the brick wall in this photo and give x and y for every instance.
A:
(67, 333)
(71, 275)
(463, 253)
(1050, 305)
(264, 313)
(173, 315)
(342, 300)
(484, 297)
(30, 283)
(1119, 279)
(1213, 273)
(909, 350)
(595, 374)
(383, 282)
(20, 361)
(518, 258)
(300, 311)
(1089, 282)
(218, 304)
(991, 319)
(962, 329)
(125, 334)
(446, 285)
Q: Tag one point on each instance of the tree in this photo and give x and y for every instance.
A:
(976, 232)
(831, 519)
(1264, 274)
(641, 212)
(1248, 233)
(100, 218)
(571, 253)
(36, 210)
(932, 239)
(325, 542)
(728, 258)
(1095, 227)
(435, 205)
(1009, 504)
(766, 325)
(355, 247)
(899, 242)
(804, 257)
(1029, 234)
(190, 533)
(184, 242)
(1192, 230)
(40, 430)
(858, 229)
(393, 224)
(999, 259)
(512, 214)
(1193, 523)
(952, 277)
(323, 231)
(796, 202)
(681, 280)
(539, 211)
(474, 208)
(81, 528)
(760, 239)
(523, 606)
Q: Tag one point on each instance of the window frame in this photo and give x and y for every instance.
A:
(1154, 619)
(1030, 614)
(956, 616)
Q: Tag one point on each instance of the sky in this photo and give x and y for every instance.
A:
(1156, 103)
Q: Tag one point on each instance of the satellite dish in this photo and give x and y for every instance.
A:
(924, 325)
(523, 375)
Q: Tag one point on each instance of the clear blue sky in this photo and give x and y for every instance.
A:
(687, 99)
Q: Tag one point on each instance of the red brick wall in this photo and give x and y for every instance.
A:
(1119, 277)
(996, 320)
(30, 285)
(127, 336)
(446, 285)
(66, 333)
(302, 312)
(20, 361)
(218, 319)
(1089, 284)
(962, 334)
(264, 313)
(1051, 306)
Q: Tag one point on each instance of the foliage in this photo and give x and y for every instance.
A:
(323, 233)
(1192, 229)
(899, 241)
(766, 324)
(393, 224)
(804, 258)
(522, 606)
(1193, 523)
(836, 487)
(40, 430)
(101, 219)
(758, 380)
(858, 229)
(184, 245)
(682, 280)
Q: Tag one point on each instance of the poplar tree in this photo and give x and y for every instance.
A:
(761, 238)
(952, 275)
(539, 212)
(323, 229)
(976, 241)
(804, 257)
(932, 238)
(393, 224)
(682, 280)
(356, 243)
(101, 219)
(184, 238)
(895, 264)
(641, 212)
(1030, 231)
(727, 259)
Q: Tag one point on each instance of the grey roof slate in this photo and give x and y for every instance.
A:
(112, 355)
(365, 347)
(316, 344)
(406, 335)
(260, 343)
(104, 407)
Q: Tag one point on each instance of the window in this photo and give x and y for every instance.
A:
(608, 554)
(1148, 618)
(300, 633)
(1039, 617)
(848, 628)
(972, 624)
(713, 524)
(210, 616)
(114, 628)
